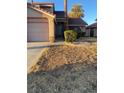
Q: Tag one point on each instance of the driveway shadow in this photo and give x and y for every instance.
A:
(36, 47)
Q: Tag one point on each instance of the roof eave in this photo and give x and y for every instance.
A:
(41, 11)
(78, 25)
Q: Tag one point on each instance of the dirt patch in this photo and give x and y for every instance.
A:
(65, 69)
(57, 56)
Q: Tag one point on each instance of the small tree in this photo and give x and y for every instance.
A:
(76, 11)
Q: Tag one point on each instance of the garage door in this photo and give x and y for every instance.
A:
(37, 31)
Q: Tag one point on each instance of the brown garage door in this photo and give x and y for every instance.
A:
(37, 30)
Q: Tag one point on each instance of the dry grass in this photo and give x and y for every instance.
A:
(71, 78)
(57, 56)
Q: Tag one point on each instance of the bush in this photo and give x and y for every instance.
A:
(70, 35)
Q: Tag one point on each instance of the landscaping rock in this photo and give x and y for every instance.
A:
(65, 69)
(59, 55)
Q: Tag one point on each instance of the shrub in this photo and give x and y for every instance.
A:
(70, 35)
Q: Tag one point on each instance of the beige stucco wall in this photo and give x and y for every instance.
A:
(51, 30)
(33, 13)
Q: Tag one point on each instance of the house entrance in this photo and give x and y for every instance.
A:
(59, 31)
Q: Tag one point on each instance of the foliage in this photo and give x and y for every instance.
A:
(76, 11)
(70, 35)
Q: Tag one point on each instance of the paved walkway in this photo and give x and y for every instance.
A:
(35, 48)
(35, 45)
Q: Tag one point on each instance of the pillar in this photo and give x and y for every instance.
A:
(51, 30)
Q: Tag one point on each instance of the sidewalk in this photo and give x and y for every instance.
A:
(34, 49)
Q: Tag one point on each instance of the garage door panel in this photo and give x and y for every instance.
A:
(37, 39)
(36, 20)
(38, 35)
(37, 32)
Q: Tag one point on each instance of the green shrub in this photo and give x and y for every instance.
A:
(70, 35)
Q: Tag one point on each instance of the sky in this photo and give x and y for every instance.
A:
(89, 7)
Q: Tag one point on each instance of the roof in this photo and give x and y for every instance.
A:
(59, 14)
(76, 22)
(42, 3)
(41, 11)
(94, 25)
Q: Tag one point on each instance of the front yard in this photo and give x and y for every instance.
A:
(65, 69)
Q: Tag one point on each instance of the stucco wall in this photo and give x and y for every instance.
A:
(33, 13)
(51, 30)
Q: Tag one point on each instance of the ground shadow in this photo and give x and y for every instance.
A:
(71, 78)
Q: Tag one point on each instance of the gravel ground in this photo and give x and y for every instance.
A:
(73, 78)
(57, 56)
(65, 69)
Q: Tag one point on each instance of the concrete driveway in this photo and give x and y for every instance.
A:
(35, 48)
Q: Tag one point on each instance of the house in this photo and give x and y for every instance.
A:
(91, 30)
(44, 23)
